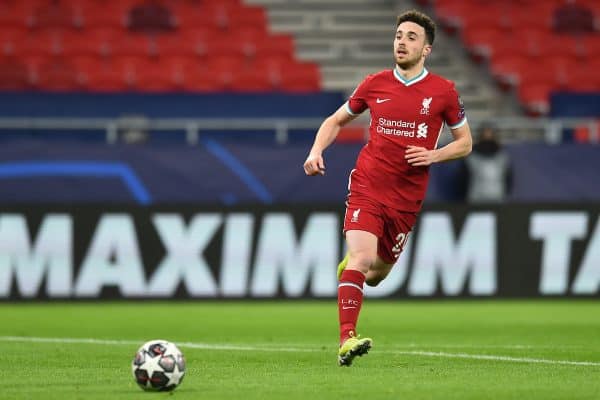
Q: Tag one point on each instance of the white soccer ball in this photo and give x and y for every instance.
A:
(158, 366)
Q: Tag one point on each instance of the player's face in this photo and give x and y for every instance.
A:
(410, 45)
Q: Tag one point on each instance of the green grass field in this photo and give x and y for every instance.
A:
(287, 350)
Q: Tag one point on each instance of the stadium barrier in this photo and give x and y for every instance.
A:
(511, 129)
(111, 252)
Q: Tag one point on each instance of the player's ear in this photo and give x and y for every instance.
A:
(426, 50)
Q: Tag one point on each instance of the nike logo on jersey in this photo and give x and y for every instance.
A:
(379, 101)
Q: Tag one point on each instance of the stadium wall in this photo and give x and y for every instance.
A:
(245, 170)
(92, 252)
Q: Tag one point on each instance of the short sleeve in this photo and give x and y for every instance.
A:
(357, 103)
(454, 115)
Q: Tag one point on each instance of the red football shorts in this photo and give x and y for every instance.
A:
(391, 226)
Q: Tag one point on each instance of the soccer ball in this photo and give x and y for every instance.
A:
(158, 366)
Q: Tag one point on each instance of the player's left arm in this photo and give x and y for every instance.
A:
(459, 147)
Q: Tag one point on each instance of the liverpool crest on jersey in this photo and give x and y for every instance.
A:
(425, 105)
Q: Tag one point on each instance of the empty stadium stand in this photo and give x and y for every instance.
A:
(532, 47)
(353, 38)
(147, 46)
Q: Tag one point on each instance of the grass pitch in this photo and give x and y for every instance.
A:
(287, 350)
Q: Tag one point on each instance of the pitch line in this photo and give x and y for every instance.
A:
(227, 347)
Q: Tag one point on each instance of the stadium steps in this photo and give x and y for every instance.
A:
(353, 38)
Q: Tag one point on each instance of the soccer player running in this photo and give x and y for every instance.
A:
(408, 106)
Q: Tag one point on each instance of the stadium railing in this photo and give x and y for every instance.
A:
(511, 129)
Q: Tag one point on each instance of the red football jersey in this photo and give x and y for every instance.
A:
(403, 113)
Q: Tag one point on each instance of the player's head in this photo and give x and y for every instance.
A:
(415, 33)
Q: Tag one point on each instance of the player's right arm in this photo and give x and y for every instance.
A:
(328, 131)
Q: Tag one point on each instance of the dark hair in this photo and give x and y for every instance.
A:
(421, 19)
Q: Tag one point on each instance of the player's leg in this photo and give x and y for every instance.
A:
(397, 228)
(362, 253)
(378, 271)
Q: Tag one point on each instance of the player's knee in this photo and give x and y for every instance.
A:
(361, 262)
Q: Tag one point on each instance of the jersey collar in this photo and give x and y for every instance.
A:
(408, 82)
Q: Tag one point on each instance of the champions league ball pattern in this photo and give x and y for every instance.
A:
(158, 366)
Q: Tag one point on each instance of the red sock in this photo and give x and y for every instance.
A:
(350, 295)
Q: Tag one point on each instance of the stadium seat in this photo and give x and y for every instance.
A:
(102, 14)
(480, 40)
(101, 75)
(451, 14)
(55, 14)
(42, 43)
(252, 80)
(277, 45)
(131, 44)
(590, 45)
(535, 97)
(572, 17)
(249, 38)
(205, 81)
(92, 42)
(532, 17)
(10, 38)
(150, 16)
(301, 77)
(506, 69)
(214, 15)
(185, 42)
(487, 15)
(14, 74)
(155, 79)
(18, 14)
(247, 16)
(58, 75)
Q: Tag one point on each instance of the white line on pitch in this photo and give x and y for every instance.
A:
(228, 347)
(496, 358)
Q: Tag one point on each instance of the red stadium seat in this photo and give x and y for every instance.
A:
(151, 17)
(535, 97)
(55, 14)
(102, 14)
(10, 39)
(153, 77)
(506, 69)
(487, 15)
(14, 74)
(534, 17)
(58, 75)
(18, 14)
(181, 68)
(301, 77)
(222, 68)
(249, 38)
(43, 43)
(205, 81)
(590, 45)
(451, 14)
(253, 16)
(278, 45)
(101, 75)
(252, 80)
(214, 15)
(130, 44)
(91, 42)
(480, 41)
(185, 42)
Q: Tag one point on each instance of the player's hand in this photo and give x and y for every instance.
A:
(314, 165)
(419, 156)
